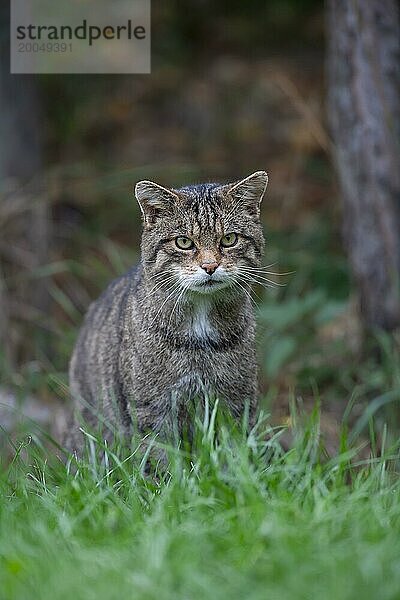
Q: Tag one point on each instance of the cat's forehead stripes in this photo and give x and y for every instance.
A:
(203, 204)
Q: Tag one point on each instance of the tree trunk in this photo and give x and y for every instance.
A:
(363, 71)
(24, 236)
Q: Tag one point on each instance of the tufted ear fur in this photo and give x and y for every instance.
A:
(249, 192)
(154, 200)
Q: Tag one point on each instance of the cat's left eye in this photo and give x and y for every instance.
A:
(230, 239)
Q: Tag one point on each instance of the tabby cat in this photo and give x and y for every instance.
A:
(178, 328)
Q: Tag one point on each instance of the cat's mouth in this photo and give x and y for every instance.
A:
(208, 285)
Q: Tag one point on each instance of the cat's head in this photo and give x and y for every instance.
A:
(202, 238)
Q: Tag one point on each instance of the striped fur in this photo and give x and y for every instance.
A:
(167, 334)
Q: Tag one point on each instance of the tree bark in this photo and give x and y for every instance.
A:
(21, 163)
(363, 70)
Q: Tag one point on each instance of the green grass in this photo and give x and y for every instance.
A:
(235, 518)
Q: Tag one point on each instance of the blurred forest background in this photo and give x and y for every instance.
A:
(235, 87)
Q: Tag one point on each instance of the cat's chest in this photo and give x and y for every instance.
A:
(200, 325)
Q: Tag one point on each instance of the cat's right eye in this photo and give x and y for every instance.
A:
(184, 243)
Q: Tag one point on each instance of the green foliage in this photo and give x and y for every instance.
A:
(235, 517)
(316, 293)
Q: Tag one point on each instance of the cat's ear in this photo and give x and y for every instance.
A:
(154, 200)
(249, 192)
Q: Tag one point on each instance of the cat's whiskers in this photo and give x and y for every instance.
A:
(263, 271)
(158, 287)
(161, 281)
(260, 279)
(172, 291)
(252, 281)
(236, 282)
(180, 297)
(160, 274)
(248, 285)
(262, 266)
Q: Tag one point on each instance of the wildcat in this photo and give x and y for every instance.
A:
(179, 327)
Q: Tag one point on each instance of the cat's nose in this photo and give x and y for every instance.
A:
(209, 266)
